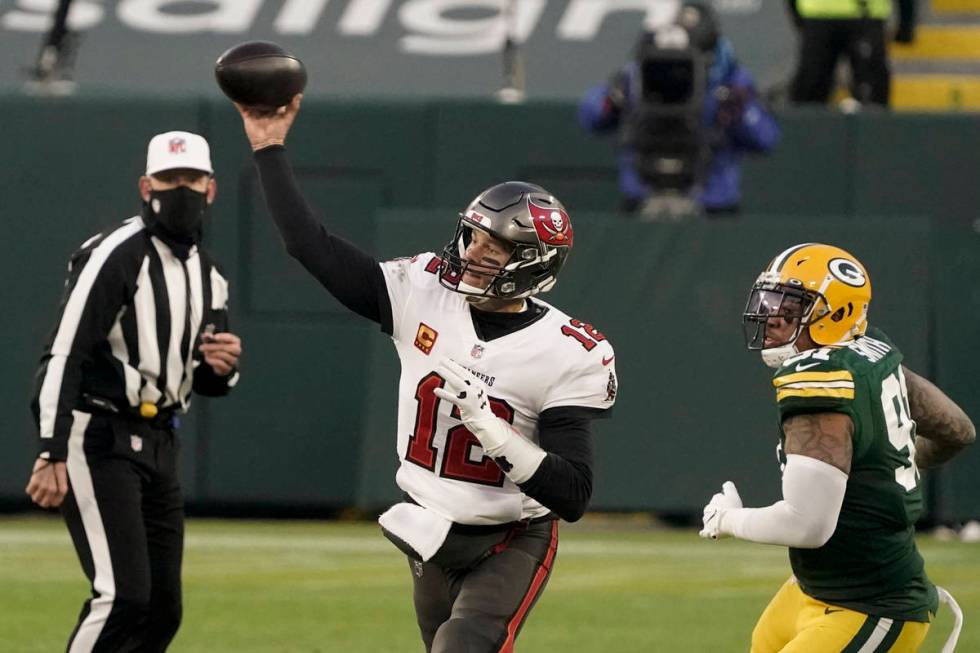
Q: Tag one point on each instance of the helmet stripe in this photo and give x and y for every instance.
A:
(780, 261)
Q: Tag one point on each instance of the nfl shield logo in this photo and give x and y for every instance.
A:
(177, 145)
(477, 351)
(136, 442)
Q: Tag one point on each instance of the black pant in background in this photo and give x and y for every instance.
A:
(125, 513)
(822, 42)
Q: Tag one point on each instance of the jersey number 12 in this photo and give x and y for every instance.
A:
(457, 462)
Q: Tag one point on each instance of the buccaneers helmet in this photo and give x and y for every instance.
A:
(530, 221)
(821, 288)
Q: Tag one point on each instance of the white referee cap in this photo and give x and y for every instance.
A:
(172, 150)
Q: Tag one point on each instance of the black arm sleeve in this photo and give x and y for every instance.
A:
(95, 306)
(209, 384)
(347, 272)
(563, 481)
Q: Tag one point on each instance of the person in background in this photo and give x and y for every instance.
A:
(830, 29)
(729, 118)
(143, 323)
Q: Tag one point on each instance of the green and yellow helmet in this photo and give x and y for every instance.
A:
(825, 288)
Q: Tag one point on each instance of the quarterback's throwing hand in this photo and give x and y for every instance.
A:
(720, 503)
(265, 128)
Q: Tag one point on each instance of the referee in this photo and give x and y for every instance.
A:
(143, 323)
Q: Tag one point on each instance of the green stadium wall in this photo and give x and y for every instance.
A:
(312, 421)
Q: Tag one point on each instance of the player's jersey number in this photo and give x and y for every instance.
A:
(901, 427)
(586, 334)
(457, 461)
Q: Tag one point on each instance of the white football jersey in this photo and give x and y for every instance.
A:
(554, 361)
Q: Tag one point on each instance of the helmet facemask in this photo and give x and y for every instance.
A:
(532, 236)
(527, 270)
(770, 301)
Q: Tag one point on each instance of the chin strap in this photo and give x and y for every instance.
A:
(776, 356)
(475, 292)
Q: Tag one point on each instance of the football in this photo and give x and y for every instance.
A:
(260, 74)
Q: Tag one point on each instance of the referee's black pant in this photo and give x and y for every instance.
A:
(125, 513)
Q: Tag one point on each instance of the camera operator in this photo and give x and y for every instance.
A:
(686, 112)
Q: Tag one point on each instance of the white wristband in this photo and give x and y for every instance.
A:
(517, 456)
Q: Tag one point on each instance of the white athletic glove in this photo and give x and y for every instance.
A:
(721, 503)
(517, 456)
(468, 393)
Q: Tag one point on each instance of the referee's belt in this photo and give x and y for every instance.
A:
(151, 413)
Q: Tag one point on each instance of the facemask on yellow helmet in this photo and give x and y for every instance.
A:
(818, 288)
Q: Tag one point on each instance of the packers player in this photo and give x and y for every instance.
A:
(856, 428)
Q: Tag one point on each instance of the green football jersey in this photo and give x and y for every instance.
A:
(871, 563)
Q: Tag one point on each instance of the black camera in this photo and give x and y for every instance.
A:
(664, 124)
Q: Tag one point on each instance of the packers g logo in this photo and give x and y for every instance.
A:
(846, 271)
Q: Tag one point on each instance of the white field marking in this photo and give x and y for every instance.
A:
(378, 544)
(696, 550)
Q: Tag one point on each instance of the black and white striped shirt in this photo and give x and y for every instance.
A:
(128, 330)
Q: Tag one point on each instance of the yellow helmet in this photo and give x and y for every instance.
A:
(821, 288)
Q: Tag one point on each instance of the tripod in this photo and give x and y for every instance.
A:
(52, 71)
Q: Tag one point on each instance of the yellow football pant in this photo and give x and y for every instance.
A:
(796, 623)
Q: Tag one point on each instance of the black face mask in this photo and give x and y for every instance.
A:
(176, 214)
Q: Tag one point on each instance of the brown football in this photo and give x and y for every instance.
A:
(260, 74)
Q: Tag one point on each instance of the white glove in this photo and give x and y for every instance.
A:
(469, 394)
(720, 503)
(517, 456)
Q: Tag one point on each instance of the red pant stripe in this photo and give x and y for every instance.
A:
(532, 593)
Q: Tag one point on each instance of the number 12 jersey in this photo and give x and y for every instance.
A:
(554, 361)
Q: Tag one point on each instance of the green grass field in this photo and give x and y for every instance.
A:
(315, 586)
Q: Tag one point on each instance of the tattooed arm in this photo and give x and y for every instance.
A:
(824, 436)
(818, 459)
(942, 428)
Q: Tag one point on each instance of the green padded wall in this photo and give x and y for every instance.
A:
(69, 169)
(312, 419)
(695, 408)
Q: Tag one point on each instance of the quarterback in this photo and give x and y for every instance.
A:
(497, 393)
(856, 428)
